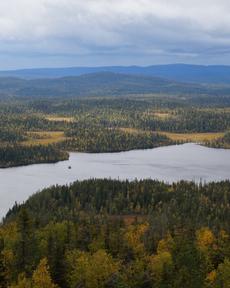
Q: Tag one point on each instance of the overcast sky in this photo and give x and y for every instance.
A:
(51, 33)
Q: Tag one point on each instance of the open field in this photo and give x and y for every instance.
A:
(162, 115)
(59, 118)
(185, 137)
(131, 130)
(44, 137)
(193, 137)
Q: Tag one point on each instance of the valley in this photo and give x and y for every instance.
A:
(116, 172)
(114, 144)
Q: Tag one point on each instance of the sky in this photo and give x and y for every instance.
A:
(62, 33)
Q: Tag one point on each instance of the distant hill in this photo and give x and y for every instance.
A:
(177, 72)
(102, 84)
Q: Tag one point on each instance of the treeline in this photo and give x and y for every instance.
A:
(98, 139)
(107, 233)
(223, 142)
(16, 155)
(184, 204)
(11, 135)
(29, 122)
(188, 120)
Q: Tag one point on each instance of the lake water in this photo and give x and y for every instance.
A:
(171, 163)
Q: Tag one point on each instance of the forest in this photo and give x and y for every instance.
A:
(223, 142)
(44, 130)
(114, 144)
(105, 83)
(108, 233)
(17, 155)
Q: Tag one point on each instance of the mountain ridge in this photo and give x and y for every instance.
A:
(212, 74)
(102, 84)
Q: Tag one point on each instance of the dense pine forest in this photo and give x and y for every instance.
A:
(107, 233)
(17, 155)
(99, 139)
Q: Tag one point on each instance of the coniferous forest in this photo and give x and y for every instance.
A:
(114, 144)
(107, 233)
(44, 130)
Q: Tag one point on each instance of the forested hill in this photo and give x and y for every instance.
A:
(181, 205)
(111, 234)
(177, 72)
(104, 84)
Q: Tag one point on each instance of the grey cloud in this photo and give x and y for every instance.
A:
(115, 32)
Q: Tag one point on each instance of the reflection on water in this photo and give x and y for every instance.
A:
(172, 163)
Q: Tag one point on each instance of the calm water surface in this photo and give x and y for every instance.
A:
(172, 163)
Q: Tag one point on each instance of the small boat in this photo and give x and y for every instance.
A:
(69, 167)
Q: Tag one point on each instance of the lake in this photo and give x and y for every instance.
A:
(171, 163)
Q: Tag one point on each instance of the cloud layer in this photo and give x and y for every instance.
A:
(109, 32)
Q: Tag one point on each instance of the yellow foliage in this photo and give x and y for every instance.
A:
(57, 118)
(223, 274)
(41, 276)
(10, 234)
(9, 259)
(157, 264)
(90, 270)
(224, 235)
(211, 277)
(162, 115)
(193, 137)
(134, 237)
(165, 245)
(185, 137)
(44, 138)
(205, 238)
(23, 282)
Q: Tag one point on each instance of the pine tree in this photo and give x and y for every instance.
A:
(41, 276)
(25, 245)
(189, 270)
